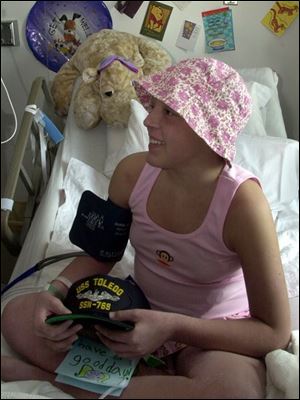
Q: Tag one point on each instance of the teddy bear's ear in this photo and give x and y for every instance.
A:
(89, 75)
(138, 60)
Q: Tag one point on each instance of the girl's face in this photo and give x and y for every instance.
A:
(171, 141)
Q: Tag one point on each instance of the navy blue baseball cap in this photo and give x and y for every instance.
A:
(91, 299)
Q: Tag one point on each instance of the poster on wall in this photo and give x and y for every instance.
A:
(218, 29)
(280, 16)
(156, 20)
(188, 35)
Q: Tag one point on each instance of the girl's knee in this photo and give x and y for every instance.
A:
(16, 321)
(8, 319)
(225, 375)
(224, 386)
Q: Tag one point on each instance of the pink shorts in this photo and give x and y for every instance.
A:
(239, 315)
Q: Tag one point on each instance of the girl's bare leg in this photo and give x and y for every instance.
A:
(221, 374)
(17, 329)
(13, 369)
(211, 384)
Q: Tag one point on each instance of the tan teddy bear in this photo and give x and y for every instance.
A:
(108, 62)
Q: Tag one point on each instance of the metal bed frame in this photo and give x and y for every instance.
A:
(30, 175)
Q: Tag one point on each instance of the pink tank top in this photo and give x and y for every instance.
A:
(195, 273)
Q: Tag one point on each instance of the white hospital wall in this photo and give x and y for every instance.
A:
(256, 46)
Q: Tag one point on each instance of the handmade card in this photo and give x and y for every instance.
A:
(92, 366)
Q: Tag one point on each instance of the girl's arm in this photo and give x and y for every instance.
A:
(249, 231)
(121, 185)
(79, 268)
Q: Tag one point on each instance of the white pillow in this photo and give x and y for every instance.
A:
(275, 161)
(271, 113)
(115, 139)
(260, 95)
(136, 138)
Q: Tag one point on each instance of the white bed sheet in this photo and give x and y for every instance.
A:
(90, 147)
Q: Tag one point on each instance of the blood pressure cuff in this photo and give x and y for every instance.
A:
(101, 228)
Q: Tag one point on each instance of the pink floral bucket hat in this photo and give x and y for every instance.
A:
(209, 94)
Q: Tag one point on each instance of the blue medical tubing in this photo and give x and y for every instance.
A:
(40, 265)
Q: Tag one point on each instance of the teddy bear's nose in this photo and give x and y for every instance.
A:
(108, 94)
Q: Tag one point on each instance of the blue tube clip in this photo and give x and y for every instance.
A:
(50, 128)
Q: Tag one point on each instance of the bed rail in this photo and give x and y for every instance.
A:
(30, 176)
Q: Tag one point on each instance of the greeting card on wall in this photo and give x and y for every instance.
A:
(181, 4)
(156, 20)
(280, 16)
(218, 29)
(129, 8)
(188, 35)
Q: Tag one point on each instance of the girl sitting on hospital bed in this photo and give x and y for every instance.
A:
(207, 256)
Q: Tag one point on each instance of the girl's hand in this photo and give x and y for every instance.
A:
(58, 337)
(152, 329)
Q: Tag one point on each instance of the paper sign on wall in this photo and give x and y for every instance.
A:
(218, 30)
(188, 35)
(280, 16)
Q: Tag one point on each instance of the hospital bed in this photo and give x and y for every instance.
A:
(85, 160)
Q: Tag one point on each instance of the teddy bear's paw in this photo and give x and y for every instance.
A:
(87, 119)
(61, 102)
(61, 95)
(62, 110)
